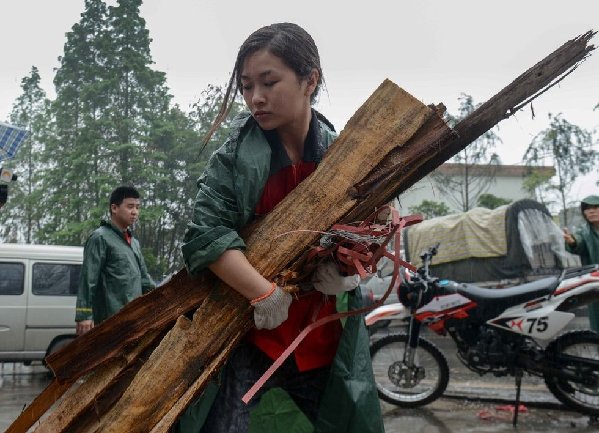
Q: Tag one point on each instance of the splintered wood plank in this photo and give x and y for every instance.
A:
(386, 121)
(178, 361)
(86, 401)
(155, 310)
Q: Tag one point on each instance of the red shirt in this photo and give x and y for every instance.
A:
(128, 236)
(320, 345)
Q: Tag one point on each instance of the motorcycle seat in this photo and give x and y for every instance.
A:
(500, 299)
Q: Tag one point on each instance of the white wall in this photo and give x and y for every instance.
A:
(507, 187)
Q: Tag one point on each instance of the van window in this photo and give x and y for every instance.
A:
(11, 282)
(55, 279)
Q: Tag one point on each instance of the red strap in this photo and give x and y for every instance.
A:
(394, 229)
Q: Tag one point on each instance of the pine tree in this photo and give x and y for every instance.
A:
(112, 123)
(139, 95)
(77, 168)
(142, 128)
(177, 136)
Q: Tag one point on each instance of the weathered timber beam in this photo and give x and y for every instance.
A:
(93, 395)
(518, 94)
(177, 362)
(155, 310)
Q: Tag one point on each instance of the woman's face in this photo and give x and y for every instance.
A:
(273, 92)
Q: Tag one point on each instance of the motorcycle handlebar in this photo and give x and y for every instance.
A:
(427, 256)
(421, 281)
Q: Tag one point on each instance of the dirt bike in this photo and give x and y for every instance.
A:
(497, 331)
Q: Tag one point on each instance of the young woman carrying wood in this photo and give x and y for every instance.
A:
(328, 382)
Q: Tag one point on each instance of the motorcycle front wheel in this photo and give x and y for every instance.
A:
(404, 385)
(575, 353)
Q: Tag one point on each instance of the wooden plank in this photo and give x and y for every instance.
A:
(87, 400)
(178, 361)
(155, 310)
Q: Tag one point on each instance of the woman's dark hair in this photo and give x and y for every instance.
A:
(288, 41)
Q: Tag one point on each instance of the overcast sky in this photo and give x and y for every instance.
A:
(435, 50)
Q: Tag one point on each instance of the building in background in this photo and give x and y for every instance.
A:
(502, 181)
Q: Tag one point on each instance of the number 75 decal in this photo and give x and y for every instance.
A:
(539, 326)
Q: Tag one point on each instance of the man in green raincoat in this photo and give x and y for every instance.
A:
(113, 271)
(585, 243)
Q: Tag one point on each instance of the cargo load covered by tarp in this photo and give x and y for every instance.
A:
(515, 241)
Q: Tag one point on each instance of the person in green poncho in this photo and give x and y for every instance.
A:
(585, 243)
(327, 384)
(113, 272)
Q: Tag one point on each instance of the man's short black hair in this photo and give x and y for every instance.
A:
(121, 193)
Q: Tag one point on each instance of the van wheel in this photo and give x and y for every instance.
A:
(57, 344)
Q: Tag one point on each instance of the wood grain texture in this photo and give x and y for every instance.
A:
(155, 310)
(87, 399)
(183, 354)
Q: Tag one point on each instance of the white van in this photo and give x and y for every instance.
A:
(38, 292)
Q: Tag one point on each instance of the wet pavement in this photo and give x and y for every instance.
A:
(471, 403)
(458, 415)
(484, 404)
(19, 385)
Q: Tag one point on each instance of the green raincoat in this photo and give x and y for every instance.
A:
(587, 247)
(229, 190)
(112, 275)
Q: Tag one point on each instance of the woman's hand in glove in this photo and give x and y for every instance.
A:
(328, 280)
(270, 309)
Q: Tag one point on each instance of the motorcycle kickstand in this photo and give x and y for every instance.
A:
(518, 375)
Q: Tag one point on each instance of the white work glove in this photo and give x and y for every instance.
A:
(328, 280)
(271, 311)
